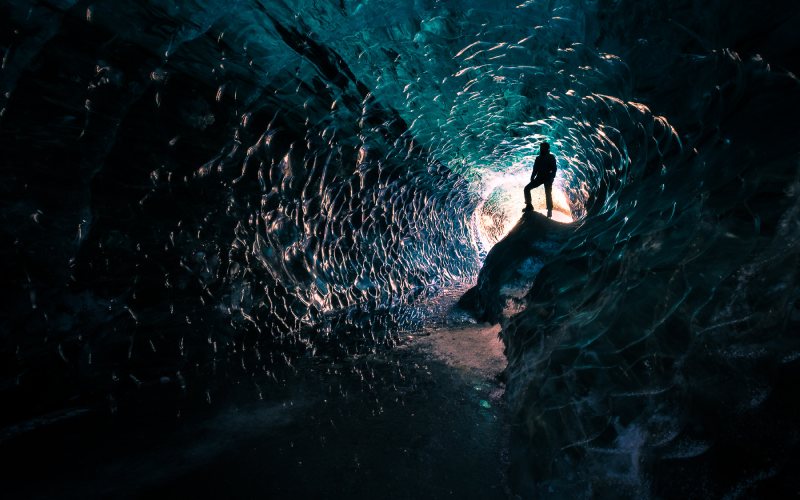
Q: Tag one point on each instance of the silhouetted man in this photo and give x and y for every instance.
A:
(544, 171)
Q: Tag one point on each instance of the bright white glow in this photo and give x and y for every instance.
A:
(503, 201)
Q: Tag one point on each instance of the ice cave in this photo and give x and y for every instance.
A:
(277, 249)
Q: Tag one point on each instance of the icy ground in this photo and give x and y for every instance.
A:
(424, 420)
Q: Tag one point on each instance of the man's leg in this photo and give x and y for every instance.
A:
(527, 192)
(548, 194)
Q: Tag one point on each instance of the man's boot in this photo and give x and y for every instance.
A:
(549, 213)
(528, 208)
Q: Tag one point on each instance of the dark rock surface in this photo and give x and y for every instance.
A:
(512, 264)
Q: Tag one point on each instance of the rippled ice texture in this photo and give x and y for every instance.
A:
(196, 191)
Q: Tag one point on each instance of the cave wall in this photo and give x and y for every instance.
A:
(175, 220)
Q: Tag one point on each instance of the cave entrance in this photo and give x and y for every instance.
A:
(502, 203)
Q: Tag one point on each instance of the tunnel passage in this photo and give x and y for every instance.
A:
(194, 195)
(219, 183)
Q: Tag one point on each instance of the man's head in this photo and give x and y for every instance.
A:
(544, 147)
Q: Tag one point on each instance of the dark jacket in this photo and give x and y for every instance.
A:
(544, 168)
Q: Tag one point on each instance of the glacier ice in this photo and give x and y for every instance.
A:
(197, 192)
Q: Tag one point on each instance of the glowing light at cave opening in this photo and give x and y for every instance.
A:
(503, 201)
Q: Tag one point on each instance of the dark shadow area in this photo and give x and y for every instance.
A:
(397, 424)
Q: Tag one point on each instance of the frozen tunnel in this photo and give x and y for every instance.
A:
(210, 202)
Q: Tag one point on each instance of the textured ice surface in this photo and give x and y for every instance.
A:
(195, 192)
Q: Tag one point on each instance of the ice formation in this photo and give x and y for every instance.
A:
(196, 191)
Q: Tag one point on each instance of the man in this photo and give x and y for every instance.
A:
(544, 171)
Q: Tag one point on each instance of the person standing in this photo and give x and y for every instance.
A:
(544, 172)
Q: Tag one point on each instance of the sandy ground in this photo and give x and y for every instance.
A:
(475, 350)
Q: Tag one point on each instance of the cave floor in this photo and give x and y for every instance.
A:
(423, 420)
